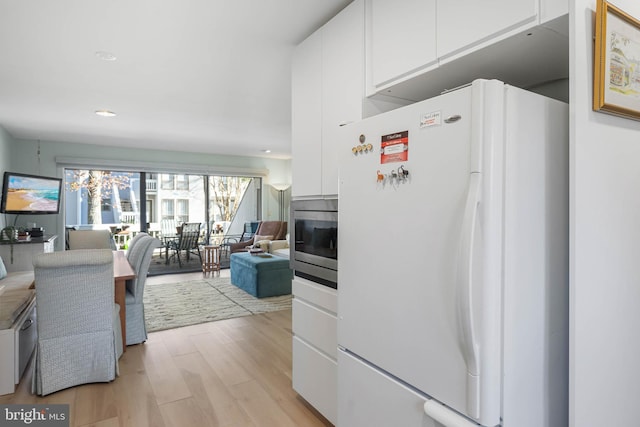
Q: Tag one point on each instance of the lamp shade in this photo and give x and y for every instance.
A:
(281, 186)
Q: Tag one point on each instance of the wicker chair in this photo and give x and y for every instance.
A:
(139, 256)
(79, 336)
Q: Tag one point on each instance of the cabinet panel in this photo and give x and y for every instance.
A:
(322, 296)
(16, 347)
(463, 23)
(402, 38)
(315, 378)
(342, 83)
(26, 335)
(315, 326)
(328, 87)
(306, 117)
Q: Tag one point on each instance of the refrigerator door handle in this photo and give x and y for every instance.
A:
(465, 284)
(445, 416)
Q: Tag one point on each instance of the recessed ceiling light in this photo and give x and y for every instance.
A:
(105, 56)
(105, 113)
(266, 151)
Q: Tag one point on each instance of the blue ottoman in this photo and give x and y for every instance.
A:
(261, 276)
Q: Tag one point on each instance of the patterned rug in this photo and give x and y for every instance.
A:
(172, 305)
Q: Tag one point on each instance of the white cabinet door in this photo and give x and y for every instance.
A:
(315, 377)
(306, 117)
(464, 23)
(343, 85)
(402, 38)
(314, 366)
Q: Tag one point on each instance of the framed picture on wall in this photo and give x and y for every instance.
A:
(616, 76)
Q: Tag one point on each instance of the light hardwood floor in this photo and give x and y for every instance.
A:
(231, 373)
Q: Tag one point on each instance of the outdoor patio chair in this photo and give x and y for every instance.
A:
(168, 233)
(248, 232)
(79, 336)
(187, 241)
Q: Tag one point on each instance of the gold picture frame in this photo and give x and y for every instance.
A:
(616, 76)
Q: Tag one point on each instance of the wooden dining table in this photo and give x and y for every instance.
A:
(122, 271)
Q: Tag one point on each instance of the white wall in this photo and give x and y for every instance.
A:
(5, 159)
(605, 245)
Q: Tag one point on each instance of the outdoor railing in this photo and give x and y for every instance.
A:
(152, 185)
(129, 217)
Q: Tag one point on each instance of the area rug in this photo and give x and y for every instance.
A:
(172, 305)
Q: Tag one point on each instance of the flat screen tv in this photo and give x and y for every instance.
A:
(30, 194)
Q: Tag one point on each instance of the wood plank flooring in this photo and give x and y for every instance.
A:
(230, 373)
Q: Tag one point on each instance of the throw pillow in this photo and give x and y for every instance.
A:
(3, 270)
(278, 244)
(262, 244)
(258, 238)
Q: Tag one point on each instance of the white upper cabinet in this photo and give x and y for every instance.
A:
(464, 23)
(327, 92)
(343, 85)
(306, 117)
(402, 38)
(409, 41)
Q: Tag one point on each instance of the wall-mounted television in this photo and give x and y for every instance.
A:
(30, 194)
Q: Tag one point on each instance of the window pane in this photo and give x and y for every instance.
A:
(183, 207)
(167, 181)
(167, 209)
(182, 182)
(101, 199)
(183, 211)
(233, 200)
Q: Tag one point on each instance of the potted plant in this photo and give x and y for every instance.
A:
(9, 235)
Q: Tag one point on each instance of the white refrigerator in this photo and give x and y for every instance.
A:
(453, 263)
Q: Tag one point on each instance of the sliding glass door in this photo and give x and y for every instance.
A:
(97, 199)
(174, 199)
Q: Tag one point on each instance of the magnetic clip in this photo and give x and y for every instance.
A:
(403, 173)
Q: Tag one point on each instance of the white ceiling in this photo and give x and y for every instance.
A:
(208, 76)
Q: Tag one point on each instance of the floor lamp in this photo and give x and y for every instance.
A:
(281, 189)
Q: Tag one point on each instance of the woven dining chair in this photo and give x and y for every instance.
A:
(79, 336)
(139, 257)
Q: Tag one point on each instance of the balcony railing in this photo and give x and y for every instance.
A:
(130, 217)
(152, 185)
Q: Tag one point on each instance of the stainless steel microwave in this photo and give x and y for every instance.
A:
(314, 253)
